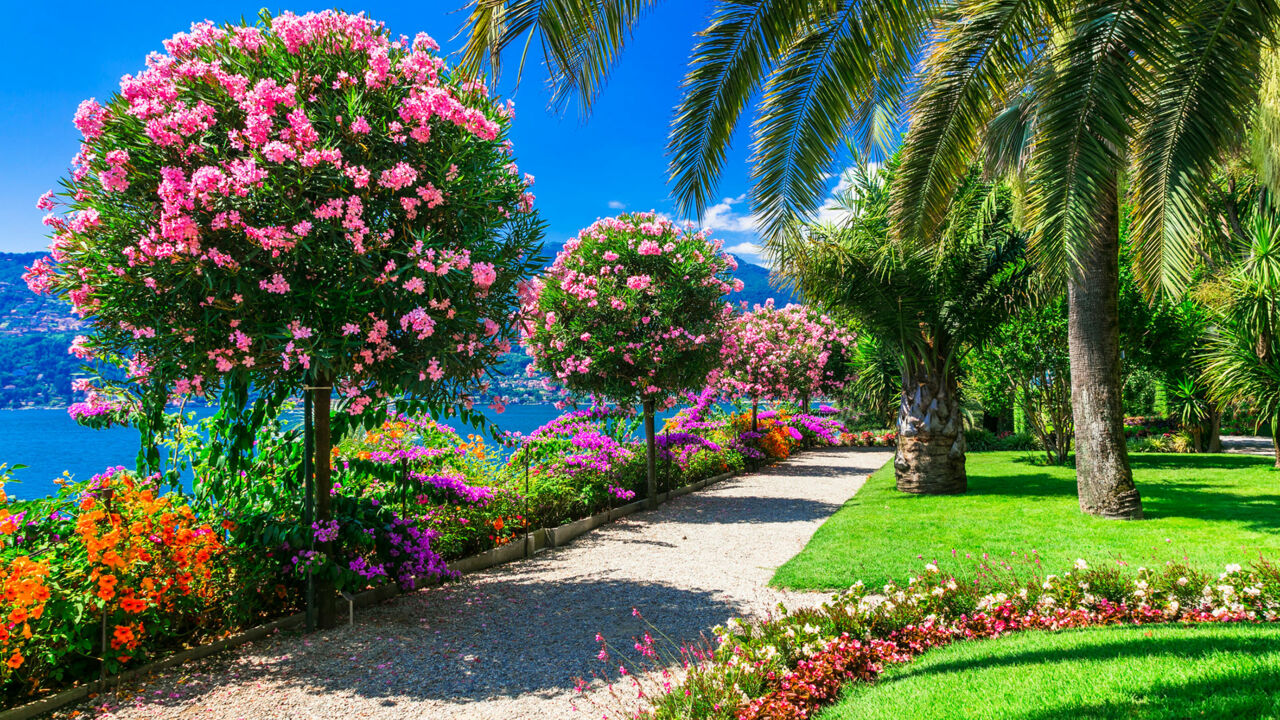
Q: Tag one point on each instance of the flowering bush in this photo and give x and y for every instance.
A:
(631, 309)
(230, 219)
(795, 352)
(870, 438)
(306, 202)
(790, 664)
(112, 555)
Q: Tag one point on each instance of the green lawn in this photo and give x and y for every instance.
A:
(1154, 673)
(1208, 509)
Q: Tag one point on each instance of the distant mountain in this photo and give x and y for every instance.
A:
(35, 331)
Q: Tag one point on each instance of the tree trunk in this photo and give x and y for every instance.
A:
(755, 408)
(1103, 478)
(651, 454)
(326, 601)
(931, 445)
(1215, 428)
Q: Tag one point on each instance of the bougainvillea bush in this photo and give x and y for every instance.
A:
(791, 664)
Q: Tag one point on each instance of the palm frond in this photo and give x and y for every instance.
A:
(833, 82)
(1265, 135)
(1199, 105)
(1083, 123)
(983, 48)
(737, 51)
(581, 40)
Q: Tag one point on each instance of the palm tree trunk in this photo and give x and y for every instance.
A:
(1103, 478)
(931, 446)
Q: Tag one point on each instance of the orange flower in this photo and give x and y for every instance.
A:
(15, 660)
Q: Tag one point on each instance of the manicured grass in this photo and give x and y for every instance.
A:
(1153, 672)
(1208, 510)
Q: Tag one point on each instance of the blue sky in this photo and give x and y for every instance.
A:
(615, 160)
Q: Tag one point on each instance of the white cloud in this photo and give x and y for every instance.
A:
(746, 248)
(722, 218)
(617, 205)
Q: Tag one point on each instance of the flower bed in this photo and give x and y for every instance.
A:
(161, 571)
(792, 664)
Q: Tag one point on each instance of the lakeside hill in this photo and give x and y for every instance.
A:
(35, 330)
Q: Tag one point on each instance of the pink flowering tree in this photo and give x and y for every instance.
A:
(794, 352)
(306, 202)
(632, 310)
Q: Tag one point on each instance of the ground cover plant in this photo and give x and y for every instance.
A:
(1208, 509)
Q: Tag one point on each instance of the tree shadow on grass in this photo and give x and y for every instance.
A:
(1197, 461)
(1223, 695)
(1120, 642)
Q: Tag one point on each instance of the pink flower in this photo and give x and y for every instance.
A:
(400, 176)
(483, 274)
(277, 284)
(90, 118)
(639, 282)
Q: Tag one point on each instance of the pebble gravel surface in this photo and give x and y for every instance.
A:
(508, 642)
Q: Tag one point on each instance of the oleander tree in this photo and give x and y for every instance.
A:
(793, 352)
(632, 310)
(306, 202)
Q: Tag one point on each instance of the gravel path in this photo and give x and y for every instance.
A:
(1248, 445)
(506, 643)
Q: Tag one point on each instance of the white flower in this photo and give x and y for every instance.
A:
(1182, 581)
(1233, 568)
(951, 585)
(1141, 584)
(1173, 606)
(1226, 590)
(931, 567)
(1081, 564)
(938, 592)
(1252, 591)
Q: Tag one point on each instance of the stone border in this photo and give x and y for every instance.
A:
(535, 541)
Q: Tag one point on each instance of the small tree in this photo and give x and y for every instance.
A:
(791, 352)
(301, 203)
(632, 309)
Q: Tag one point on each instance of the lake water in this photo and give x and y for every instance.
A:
(49, 442)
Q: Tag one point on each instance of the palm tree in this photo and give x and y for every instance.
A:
(927, 306)
(1068, 93)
